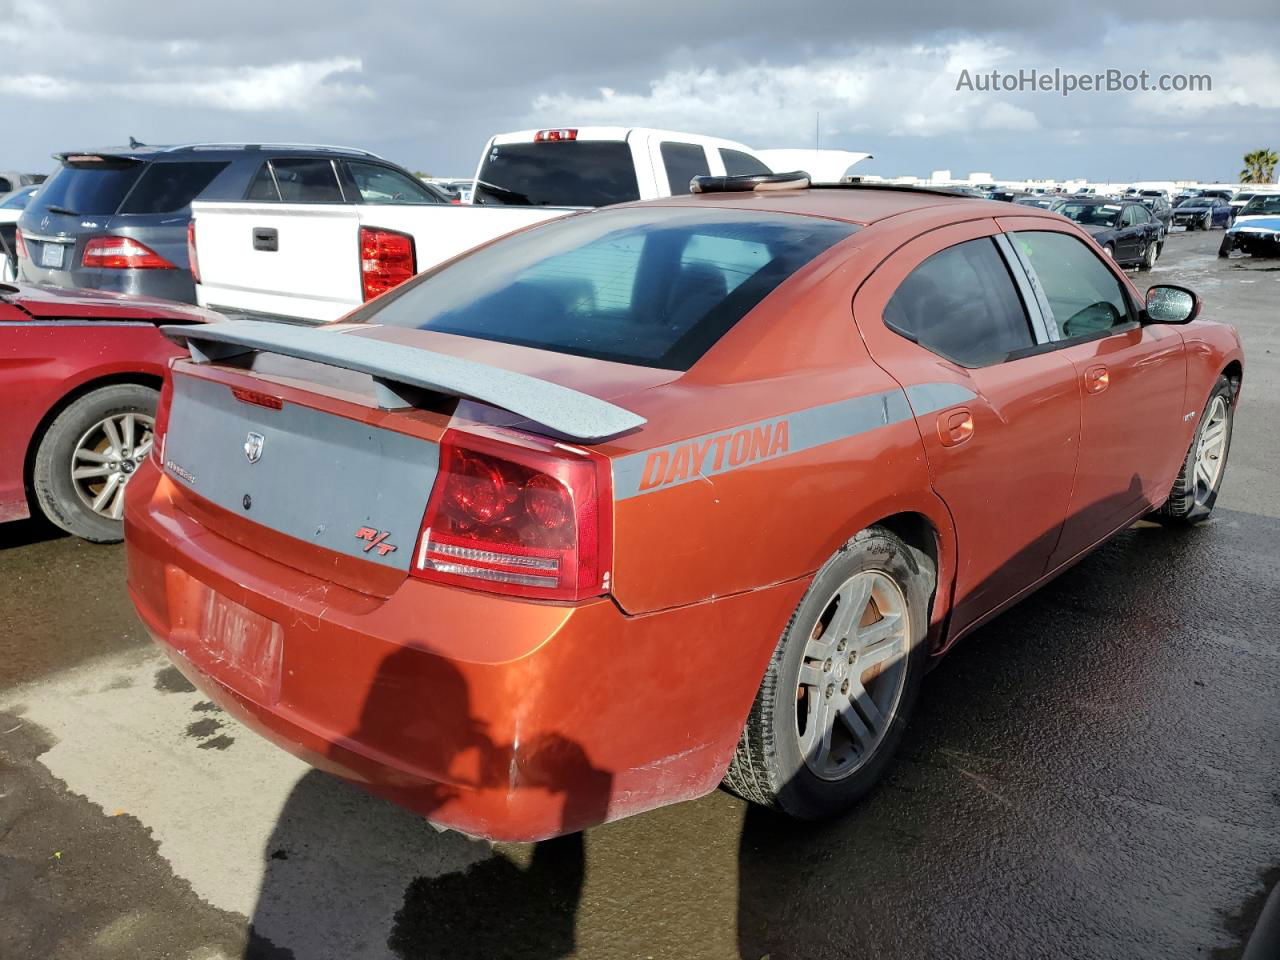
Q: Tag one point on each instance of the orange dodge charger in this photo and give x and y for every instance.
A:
(668, 495)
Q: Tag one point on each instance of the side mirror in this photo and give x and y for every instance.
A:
(1170, 304)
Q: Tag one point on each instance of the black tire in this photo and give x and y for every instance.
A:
(1224, 249)
(51, 477)
(768, 767)
(1150, 254)
(1191, 502)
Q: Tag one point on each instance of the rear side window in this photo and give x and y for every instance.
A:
(1084, 296)
(962, 304)
(651, 286)
(683, 162)
(378, 184)
(565, 173)
(310, 180)
(165, 187)
(88, 188)
(739, 164)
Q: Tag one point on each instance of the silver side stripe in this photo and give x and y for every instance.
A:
(763, 440)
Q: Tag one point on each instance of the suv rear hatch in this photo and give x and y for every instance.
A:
(122, 200)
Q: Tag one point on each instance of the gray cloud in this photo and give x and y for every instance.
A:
(426, 88)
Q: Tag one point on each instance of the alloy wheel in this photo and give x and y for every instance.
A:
(1211, 448)
(106, 456)
(852, 674)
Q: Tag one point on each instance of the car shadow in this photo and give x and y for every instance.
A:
(24, 533)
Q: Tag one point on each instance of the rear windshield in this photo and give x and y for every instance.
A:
(565, 173)
(166, 187)
(93, 188)
(655, 287)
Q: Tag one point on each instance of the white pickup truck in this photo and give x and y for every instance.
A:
(319, 261)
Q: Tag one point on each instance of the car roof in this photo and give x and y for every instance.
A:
(851, 202)
(184, 150)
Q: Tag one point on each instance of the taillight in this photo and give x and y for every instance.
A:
(191, 251)
(122, 253)
(21, 244)
(553, 136)
(162, 419)
(518, 515)
(387, 259)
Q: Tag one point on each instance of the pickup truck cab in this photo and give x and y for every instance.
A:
(318, 261)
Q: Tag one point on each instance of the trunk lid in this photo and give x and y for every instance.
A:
(293, 458)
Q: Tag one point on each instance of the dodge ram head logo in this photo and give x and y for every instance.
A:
(376, 538)
(253, 446)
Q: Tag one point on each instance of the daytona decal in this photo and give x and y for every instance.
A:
(752, 443)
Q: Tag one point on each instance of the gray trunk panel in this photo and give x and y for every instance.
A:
(319, 478)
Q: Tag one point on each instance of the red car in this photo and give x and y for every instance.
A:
(632, 503)
(80, 374)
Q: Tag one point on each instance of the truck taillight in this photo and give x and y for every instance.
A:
(162, 419)
(553, 136)
(387, 259)
(122, 253)
(21, 244)
(518, 515)
(191, 251)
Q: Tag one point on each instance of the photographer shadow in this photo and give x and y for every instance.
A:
(348, 875)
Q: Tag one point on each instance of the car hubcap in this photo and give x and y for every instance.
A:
(106, 457)
(1211, 449)
(851, 679)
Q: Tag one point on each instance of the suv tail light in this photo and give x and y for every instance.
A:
(191, 251)
(21, 244)
(122, 253)
(387, 259)
(161, 426)
(519, 515)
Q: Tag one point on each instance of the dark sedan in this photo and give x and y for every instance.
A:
(1125, 229)
(1203, 213)
(1159, 207)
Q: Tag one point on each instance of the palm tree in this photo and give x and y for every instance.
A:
(1259, 166)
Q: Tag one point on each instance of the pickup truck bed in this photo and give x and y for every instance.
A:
(303, 260)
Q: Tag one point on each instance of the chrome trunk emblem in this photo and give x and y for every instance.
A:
(253, 446)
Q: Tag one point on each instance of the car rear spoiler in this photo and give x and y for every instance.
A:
(401, 372)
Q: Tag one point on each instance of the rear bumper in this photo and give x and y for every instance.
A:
(173, 284)
(500, 718)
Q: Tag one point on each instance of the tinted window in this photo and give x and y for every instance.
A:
(654, 286)
(165, 187)
(1083, 295)
(961, 303)
(5, 184)
(263, 186)
(683, 162)
(307, 181)
(567, 173)
(739, 164)
(379, 184)
(89, 188)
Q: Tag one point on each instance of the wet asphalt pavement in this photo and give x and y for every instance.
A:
(1095, 774)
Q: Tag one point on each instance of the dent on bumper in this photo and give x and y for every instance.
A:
(500, 718)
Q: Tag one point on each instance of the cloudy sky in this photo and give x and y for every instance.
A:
(426, 88)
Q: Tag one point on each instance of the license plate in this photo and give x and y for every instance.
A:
(51, 255)
(242, 648)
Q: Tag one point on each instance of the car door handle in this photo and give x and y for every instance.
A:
(955, 426)
(266, 238)
(1097, 379)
